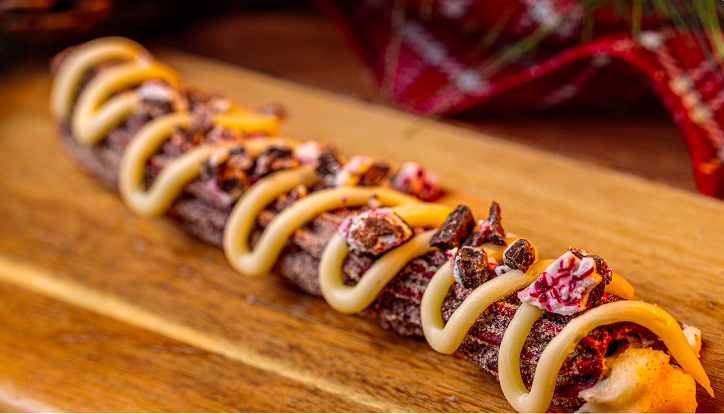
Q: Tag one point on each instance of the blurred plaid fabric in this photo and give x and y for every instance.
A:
(448, 56)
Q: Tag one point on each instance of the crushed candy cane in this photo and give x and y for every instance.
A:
(307, 153)
(352, 171)
(374, 231)
(485, 227)
(415, 180)
(158, 91)
(564, 286)
(491, 228)
(493, 265)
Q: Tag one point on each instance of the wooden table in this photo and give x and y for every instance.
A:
(102, 310)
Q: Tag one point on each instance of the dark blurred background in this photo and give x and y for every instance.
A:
(293, 40)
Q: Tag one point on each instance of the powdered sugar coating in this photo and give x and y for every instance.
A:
(374, 231)
(415, 180)
(564, 286)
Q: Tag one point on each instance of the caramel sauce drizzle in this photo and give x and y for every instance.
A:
(105, 102)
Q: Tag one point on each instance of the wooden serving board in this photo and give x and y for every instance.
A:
(102, 310)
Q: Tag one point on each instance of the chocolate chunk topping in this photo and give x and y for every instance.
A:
(236, 167)
(471, 266)
(491, 229)
(202, 119)
(497, 234)
(519, 255)
(375, 231)
(596, 295)
(375, 174)
(328, 165)
(373, 228)
(361, 170)
(455, 229)
(229, 168)
(239, 159)
(273, 159)
(601, 265)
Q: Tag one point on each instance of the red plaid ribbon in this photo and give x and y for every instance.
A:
(436, 57)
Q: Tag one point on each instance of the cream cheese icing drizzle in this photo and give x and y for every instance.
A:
(446, 338)
(539, 397)
(179, 172)
(92, 119)
(259, 261)
(103, 103)
(352, 299)
(84, 58)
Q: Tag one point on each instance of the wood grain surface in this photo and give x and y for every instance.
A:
(103, 310)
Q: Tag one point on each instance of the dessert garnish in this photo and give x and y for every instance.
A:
(374, 231)
(155, 92)
(361, 170)
(274, 158)
(229, 167)
(327, 166)
(567, 285)
(519, 255)
(307, 152)
(601, 264)
(469, 266)
(456, 228)
(490, 228)
(416, 180)
(564, 286)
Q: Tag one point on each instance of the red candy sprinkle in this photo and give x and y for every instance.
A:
(564, 286)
